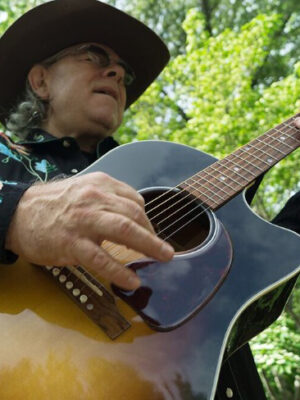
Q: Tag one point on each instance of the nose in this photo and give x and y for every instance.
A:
(115, 71)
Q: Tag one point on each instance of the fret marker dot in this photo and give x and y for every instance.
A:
(69, 285)
(62, 278)
(282, 137)
(83, 298)
(76, 292)
(270, 160)
(236, 168)
(56, 271)
(247, 148)
(222, 178)
(90, 307)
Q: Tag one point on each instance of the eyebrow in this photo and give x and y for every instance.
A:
(101, 51)
(97, 49)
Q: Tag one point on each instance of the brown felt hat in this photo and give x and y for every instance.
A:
(58, 24)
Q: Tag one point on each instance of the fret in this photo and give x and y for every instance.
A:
(206, 200)
(282, 139)
(238, 170)
(210, 182)
(199, 194)
(269, 145)
(247, 150)
(199, 190)
(236, 155)
(222, 177)
(235, 170)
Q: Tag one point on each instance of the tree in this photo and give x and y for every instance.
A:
(205, 98)
(167, 16)
(231, 78)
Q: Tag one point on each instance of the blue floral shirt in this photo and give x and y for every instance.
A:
(38, 159)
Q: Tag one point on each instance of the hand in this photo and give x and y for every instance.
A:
(64, 222)
(297, 122)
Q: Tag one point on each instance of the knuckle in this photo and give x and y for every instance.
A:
(126, 227)
(102, 177)
(137, 212)
(90, 191)
(141, 200)
(78, 216)
(99, 259)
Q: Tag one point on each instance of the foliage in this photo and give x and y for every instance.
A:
(277, 356)
(167, 16)
(205, 98)
(233, 75)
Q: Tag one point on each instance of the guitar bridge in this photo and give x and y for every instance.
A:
(91, 297)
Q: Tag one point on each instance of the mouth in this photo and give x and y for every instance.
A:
(108, 92)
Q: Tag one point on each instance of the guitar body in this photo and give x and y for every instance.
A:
(51, 350)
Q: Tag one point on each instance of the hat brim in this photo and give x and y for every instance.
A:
(58, 24)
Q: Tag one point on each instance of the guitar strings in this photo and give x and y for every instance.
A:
(179, 192)
(214, 193)
(85, 274)
(201, 204)
(265, 144)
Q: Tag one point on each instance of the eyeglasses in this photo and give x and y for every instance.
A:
(98, 55)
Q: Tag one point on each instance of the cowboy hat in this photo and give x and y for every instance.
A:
(58, 24)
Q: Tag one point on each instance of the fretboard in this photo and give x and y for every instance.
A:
(224, 179)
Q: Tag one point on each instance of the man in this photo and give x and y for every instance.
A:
(85, 95)
(66, 82)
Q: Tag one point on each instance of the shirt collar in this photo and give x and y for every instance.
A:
(39, 137)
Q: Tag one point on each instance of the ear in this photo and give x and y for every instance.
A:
(37, 78)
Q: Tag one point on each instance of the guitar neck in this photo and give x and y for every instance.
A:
(224, 179)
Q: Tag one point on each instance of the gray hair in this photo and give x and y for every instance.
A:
(30, 111)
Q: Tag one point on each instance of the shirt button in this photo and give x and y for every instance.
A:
(74, 171)
(229, 393)
(66, 143)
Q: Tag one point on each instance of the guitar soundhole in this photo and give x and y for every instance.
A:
(177, 217)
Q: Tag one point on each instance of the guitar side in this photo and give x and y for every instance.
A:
(49, 343)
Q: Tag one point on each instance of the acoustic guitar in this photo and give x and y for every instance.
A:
(168, 339)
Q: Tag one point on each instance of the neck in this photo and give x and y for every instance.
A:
(87, 140)
(221, 181)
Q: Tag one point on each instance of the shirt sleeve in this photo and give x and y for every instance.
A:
(10, 195)
(289, 216)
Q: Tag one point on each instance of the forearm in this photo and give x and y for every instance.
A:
(10, 195)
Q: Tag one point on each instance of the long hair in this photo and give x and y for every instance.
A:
(30, 111)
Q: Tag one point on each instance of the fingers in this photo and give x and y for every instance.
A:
(106, 183)
(112, 203)
(94, 258)
(123, 230)
(297, 122)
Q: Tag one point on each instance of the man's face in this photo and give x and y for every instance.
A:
(85, 97)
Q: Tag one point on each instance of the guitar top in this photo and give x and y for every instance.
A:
(173, 334)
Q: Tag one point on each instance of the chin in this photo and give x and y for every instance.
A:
(108, 123)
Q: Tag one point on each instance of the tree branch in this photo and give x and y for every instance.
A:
(206, 9)
(267, 385)
(179, 109)
(275, 36)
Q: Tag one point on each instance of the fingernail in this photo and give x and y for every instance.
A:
(167, 251)
(134, 282)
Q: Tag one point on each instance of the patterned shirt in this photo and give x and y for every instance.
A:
(40, 158)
